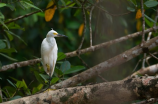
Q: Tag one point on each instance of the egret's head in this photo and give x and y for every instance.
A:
(53, 33)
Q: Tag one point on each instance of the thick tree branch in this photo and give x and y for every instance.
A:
(74, 53)
(106, 65)
(115, 92)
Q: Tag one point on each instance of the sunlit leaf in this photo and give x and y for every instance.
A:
(54, 80)
(27, 91)
(138, 14)
(49, 13)
(65, 66)
(2, 44)
(10, 58)
(80, 30)
(19, 84)
(151, 3)
(2, 5)
(61, 56)
(74, 69)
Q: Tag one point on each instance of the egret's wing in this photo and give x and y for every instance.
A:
(53, 59)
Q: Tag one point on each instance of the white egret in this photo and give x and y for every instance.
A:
(49, 50)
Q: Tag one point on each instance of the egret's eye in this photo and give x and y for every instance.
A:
(55, 33)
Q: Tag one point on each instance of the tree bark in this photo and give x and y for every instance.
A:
(108, 92)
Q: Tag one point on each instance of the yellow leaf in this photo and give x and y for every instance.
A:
(80, 30)
(138, 14)
(49, 13)
(138, 25)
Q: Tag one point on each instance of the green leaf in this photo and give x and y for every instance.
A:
(10, 58)
(19, 84)
(38, 77)
(8, 51)
(131, 9)
(149, 18)
(1, 16)
(74, 69)
(27, 5)
(13, 25)
(58, 72)
(9, 32)
(27, 91)
(36, 89)
(54, 80)
(16, 97)
(45, 77)
(2, 5)
(150, 24)
(73, 24)
(11, 7)
(2, 44)
(65, 66)
(61, 56)
(11, 83)
(3, 24)
(151, 3)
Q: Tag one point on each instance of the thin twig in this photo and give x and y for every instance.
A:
(85, 64)
(90, 27)
(102, 78)
(137, 65)
(143, 23)
(153, 56)
(84, 31)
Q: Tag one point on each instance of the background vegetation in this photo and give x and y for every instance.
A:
(21, 39)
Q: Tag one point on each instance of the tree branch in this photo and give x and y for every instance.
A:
(109, 92)
(106, 65)
(74, 53)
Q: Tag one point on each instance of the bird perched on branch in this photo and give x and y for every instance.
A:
(49, 50)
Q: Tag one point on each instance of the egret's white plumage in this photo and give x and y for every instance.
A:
(49, 51)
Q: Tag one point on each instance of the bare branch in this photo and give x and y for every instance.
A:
(143, 23)
(115, 92)
(106, 65)
(90, 27)
(75, 53)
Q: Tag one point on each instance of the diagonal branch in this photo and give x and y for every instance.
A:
(106, 65)
(74, 53)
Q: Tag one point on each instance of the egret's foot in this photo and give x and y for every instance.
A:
(48, 67)
(49, 89)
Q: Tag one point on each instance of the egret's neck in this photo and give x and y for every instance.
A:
(51, 40)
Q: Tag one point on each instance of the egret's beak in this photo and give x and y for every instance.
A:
(60, 35)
